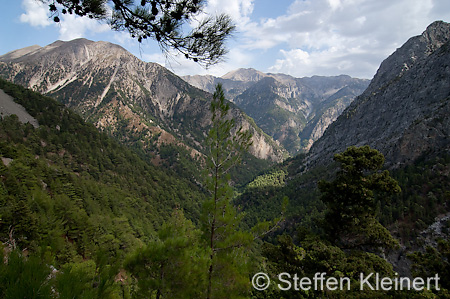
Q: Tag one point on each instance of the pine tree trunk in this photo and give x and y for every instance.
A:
(213, 229)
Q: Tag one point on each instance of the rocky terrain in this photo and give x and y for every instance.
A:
(120, 93)
(294, 111)
(404, 111)
(9, 107)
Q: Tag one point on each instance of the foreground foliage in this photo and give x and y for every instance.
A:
(70, 192)
(351, 241)
(83, 216)
(350, 217)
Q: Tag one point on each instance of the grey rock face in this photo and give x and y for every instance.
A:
(404, 111)
(112, 88)
(9, 107)
(294, 111)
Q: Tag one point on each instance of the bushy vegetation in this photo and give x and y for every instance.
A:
(424, 185)
(273, 178)
(349, 245)
(425, 194)
(84, 216)
(94, 216)
(69, 192)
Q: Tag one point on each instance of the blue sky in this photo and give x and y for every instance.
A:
(296, 37)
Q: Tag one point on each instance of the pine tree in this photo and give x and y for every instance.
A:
(351, 200)
(227, 273)
(174, 265)
(22, 277)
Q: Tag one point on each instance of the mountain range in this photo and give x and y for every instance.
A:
(116, 91)
(402, 112)
(294, 111)
(138, 102)
(70, 193)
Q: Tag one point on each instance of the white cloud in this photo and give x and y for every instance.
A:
(330, 37)
(331, 62)
(123, 38)
(322, 37)
(35, 13)
(239, 10)
(181, 66)
(312, 37)
(72, 27)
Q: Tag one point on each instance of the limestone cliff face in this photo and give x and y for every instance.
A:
(232, 88)
(404, 111)
(294, 111)
(113, 89)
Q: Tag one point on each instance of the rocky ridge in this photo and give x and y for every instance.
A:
(115, 90)
(294, 111)
(404, 111)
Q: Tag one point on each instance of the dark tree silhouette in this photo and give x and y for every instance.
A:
(351, 198)
(165, 21)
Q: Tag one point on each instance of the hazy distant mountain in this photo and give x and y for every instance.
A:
(405, 111)
(245, 75)
(120, 93)
(294, 111)
(208, 83)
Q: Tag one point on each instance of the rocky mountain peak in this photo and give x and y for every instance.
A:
(116, 91)
(19, 53)
(414, 50)
(437, 34)
(245, 75)
(404, 111)
(294, 111)
(76, 51)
